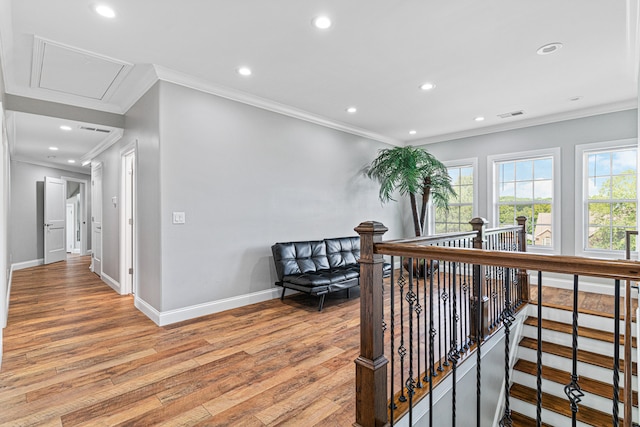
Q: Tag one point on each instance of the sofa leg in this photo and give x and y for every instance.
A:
(321, 303)
(348, 293)
(282, 296)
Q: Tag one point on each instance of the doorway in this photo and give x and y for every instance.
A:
(128, 220)
(96, 218)
(77, 196)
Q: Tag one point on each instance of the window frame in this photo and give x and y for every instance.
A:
(556, 199)
(458, 163)
(582, 196)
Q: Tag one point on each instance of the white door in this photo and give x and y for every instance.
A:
(96, 219)
(129, 197)
(55, 201)
(71, 223)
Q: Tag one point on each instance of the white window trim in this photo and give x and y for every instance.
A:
(492, 179)
(473, 162)
(581, 196)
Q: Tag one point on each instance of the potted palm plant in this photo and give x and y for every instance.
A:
(414, 172)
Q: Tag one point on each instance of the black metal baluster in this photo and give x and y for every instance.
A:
(402, 351)
(454, 354)
(418, 310)
(432, 334)
(572, 390)
(425, 322)
(392, 323)
(539, 356)
(444, 319)
(477, 286)
(507, 321)
(410, 382)
(440, 368)
(616, 354)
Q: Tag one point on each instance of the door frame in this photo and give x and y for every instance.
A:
(84, 212)
(128, 286)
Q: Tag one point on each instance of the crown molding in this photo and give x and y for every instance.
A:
(201, 85)
(111, 139)
(629, 104)
(147, 79)
(66, 167)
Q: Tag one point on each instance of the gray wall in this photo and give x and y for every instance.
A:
(246, 178)
(566, 135)
(27, 209)
(143, 126)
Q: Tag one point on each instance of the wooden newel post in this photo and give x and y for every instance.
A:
(371, 365)
(523, 276)
(479, 280)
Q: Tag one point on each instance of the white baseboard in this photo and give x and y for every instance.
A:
(162, 318)
(111, 282)
(27, 264)
(584, 285)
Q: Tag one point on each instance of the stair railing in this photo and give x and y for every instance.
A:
(411, 335)
(628, 320)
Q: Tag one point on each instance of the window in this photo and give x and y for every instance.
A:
(526, 184)
(461, 206)
(609, 192)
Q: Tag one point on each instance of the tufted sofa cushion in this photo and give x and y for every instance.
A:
(343, 251)
(295, 258)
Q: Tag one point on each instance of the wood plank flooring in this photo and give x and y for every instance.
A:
(77, 354)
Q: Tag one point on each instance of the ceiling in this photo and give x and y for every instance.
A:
(481, 56)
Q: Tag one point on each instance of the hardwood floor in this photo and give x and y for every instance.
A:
(78, 354)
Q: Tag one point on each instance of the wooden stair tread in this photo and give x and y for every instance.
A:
(520, 420)
(595, 334)
(583, 355)
(586, 310)
(561, 405)
(559, 376)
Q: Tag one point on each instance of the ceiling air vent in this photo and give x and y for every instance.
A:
(95, 129)
(511, 114)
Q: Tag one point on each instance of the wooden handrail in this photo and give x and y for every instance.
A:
(620, 269)
(437, 238)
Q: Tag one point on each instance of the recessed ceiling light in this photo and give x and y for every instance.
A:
(412, 132)
(351, 110)
(71, 161)
(65, 127)
(53, 148)
(322, 22)
(427, 86)
(479, 119)
(106, 11)
(549, 48)
(244, 71)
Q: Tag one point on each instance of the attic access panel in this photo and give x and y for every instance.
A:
(73, 71)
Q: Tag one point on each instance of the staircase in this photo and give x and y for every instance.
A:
(595, 362)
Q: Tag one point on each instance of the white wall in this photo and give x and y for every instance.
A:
(566, 135)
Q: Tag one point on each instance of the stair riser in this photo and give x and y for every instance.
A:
(588, 400)
(584, 343)
(584, 369)
(585, 320)
(548, 417)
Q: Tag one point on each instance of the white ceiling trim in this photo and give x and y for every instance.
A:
(111, 139)
(182, 79)
(65, 167)
(535, 121)
(148, 79)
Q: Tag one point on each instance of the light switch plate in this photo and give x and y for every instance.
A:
(179, 218)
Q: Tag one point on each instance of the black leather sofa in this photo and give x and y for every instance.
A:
(319, 267)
